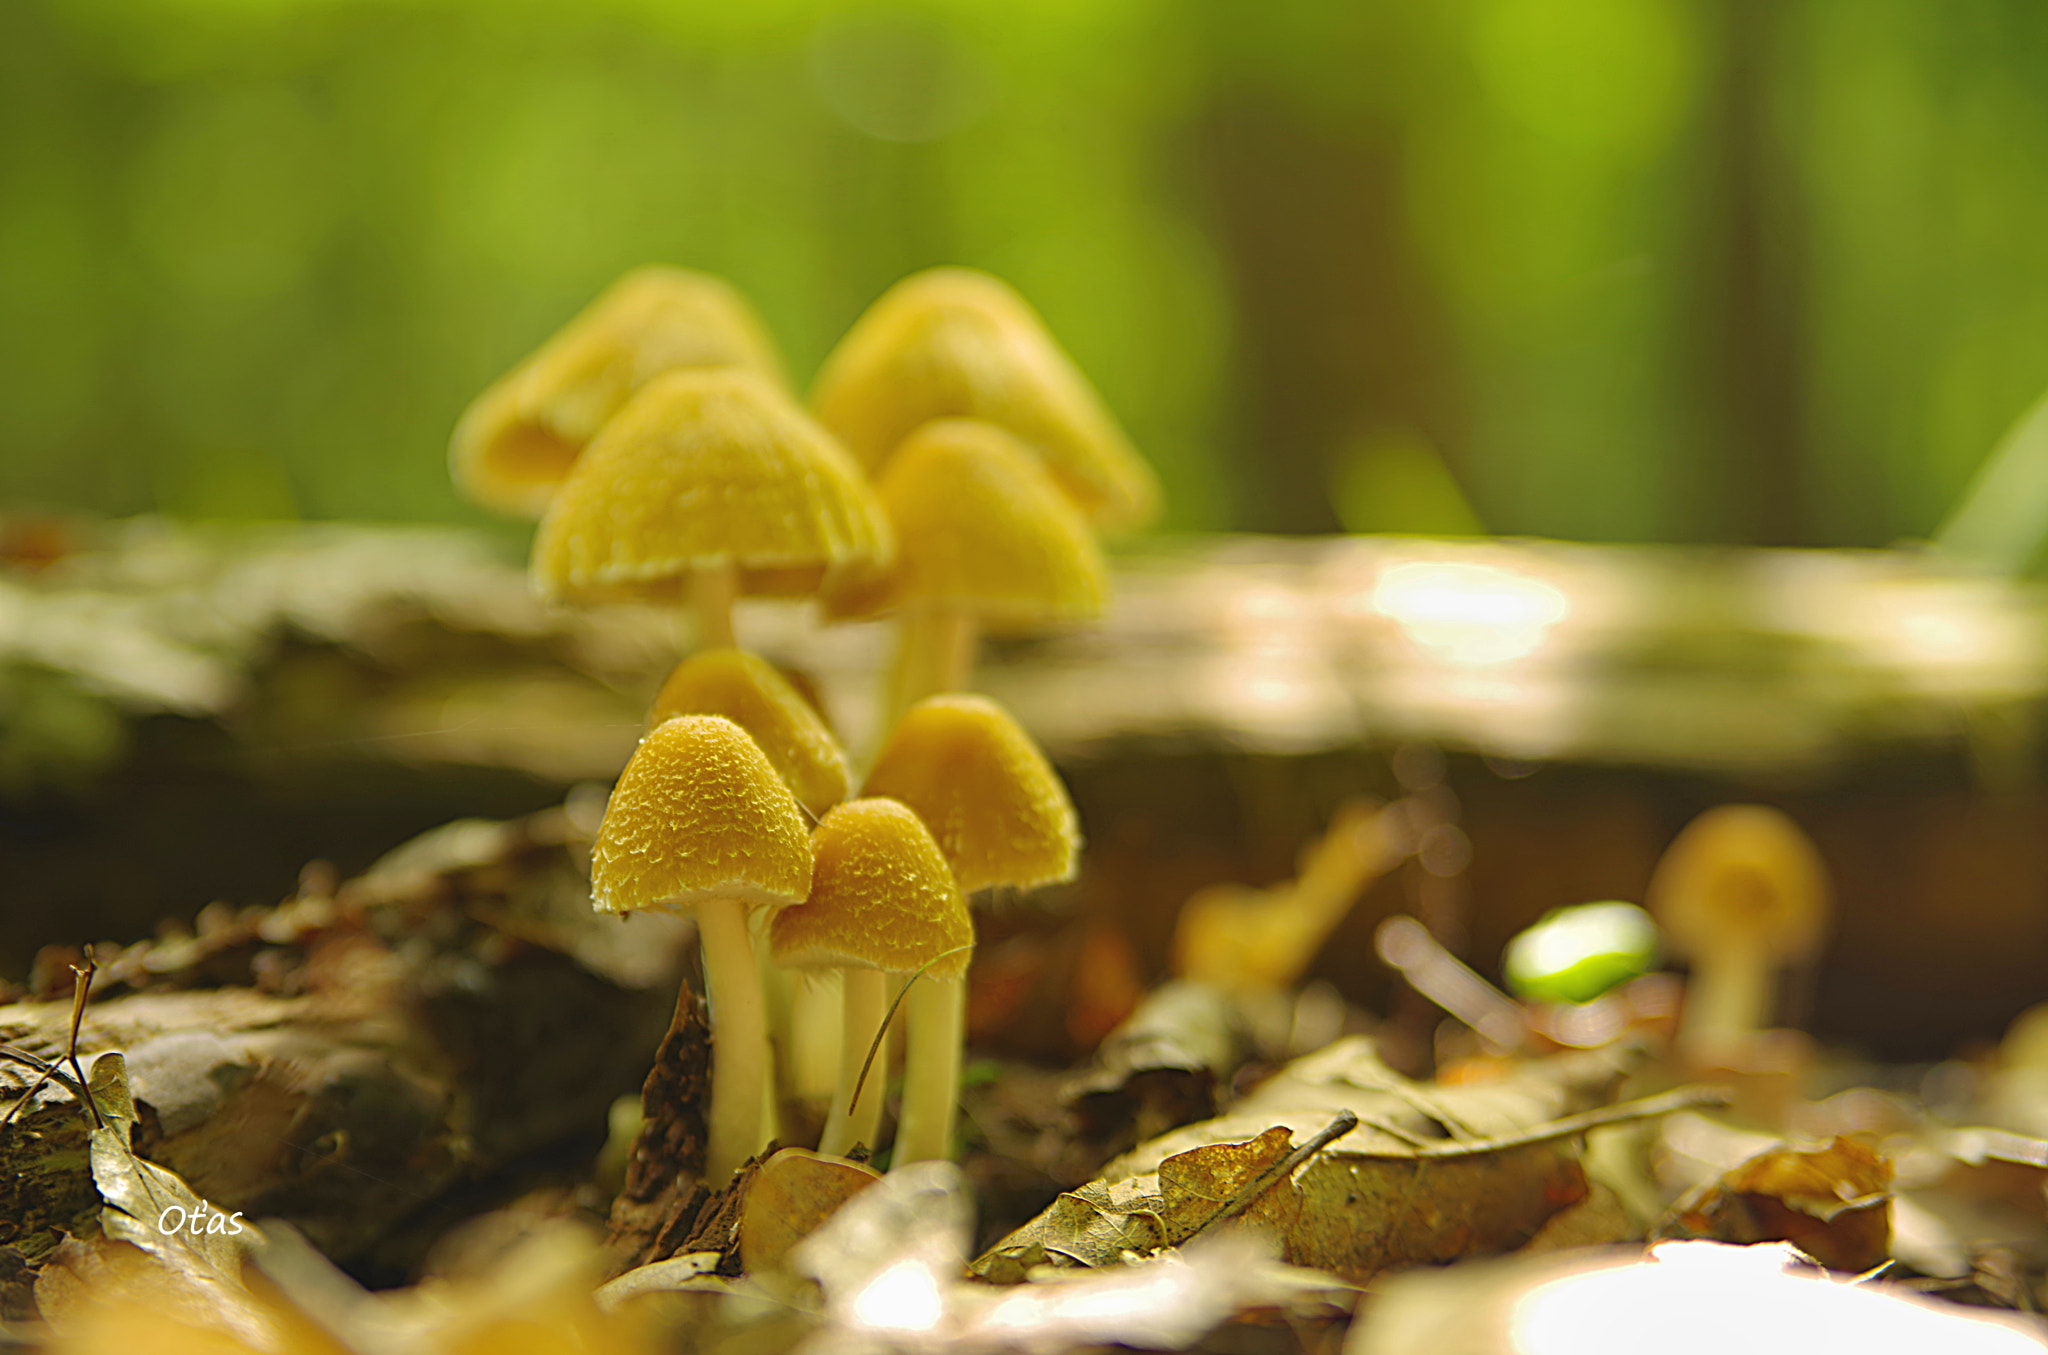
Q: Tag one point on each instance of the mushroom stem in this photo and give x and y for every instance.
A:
(741, 1062)
(816, 1021)
(936, 1012)
(852, 1122)
(1727, 1001)
(713, 590)
(934, 653)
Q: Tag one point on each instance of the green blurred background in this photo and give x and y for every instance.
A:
(1695, 270)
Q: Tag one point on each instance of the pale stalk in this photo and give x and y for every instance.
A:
(1727, 1000)
(935, 649)
(713, 590)
(850, 1122)
(816, 1017)
(936, 1013)
(742, 1065)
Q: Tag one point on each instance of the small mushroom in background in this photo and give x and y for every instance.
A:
(882, 902)
(699, 821)
(984, 538)
(1741, 893)
(1000, 817)
(1244, 939)
(518, 440)
(708, 485)
(956, 343)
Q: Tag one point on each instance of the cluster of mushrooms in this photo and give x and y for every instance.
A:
(951, 470)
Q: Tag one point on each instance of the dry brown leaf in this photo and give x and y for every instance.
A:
(1430, 1175)
(1833, 1202)
(794, 1192)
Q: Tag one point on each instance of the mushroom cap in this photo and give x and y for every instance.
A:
(882, 897)
(1741, 877)
(991, 800)
(981, 526)
(699, 813)
(708, 467)
(747, 690)
(953, 342)
(518, 440)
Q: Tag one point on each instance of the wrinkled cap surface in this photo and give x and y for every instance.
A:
(981, 526)
(517, 441)
(703, 468)
(953, 342)
(991, 800)
(699, 813)
(882, 897)
(1741, 875)
(786, 728)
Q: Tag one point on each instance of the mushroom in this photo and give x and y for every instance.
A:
(714, 483)
(882, 901)
(700, 821)
(1742, 892)
(1242, 938)
(518, 440)
(747, 690)
(1001, 818)
(953, 342)
(983, 537)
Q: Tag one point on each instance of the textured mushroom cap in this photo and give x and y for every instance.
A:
(881, 898)
(786, 728)
(517, 441)
(1745, 876)
(698, 813)
(708, 467)
(954, 342)
(981, 526)
(992, 802)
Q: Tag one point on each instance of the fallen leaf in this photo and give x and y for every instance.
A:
(1833, 1202)
(794, 1192)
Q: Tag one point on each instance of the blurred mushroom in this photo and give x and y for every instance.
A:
(709, 484)
(699, 821)
(1242, 938)
(983, 537)
(882, 902)
(1001, 818)
(518, 440)
(953, 342)
(1742, 893)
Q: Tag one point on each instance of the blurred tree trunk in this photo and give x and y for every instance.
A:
(1752, 302)
(1336, 335)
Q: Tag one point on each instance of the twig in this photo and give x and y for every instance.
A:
(1243, 1197)
(1649, 1107)
(48, 1071)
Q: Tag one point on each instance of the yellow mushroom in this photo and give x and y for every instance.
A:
(710, 483)
(747, 690)
(953, 342)
(1742, 893)
(699, 821)
(518, 440)
(882, 902)
(1001, 818)
(983, 538)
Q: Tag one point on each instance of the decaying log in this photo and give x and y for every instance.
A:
(417, 1028)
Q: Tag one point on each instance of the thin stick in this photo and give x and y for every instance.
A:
(1648, 1108)
(1247, 1194)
